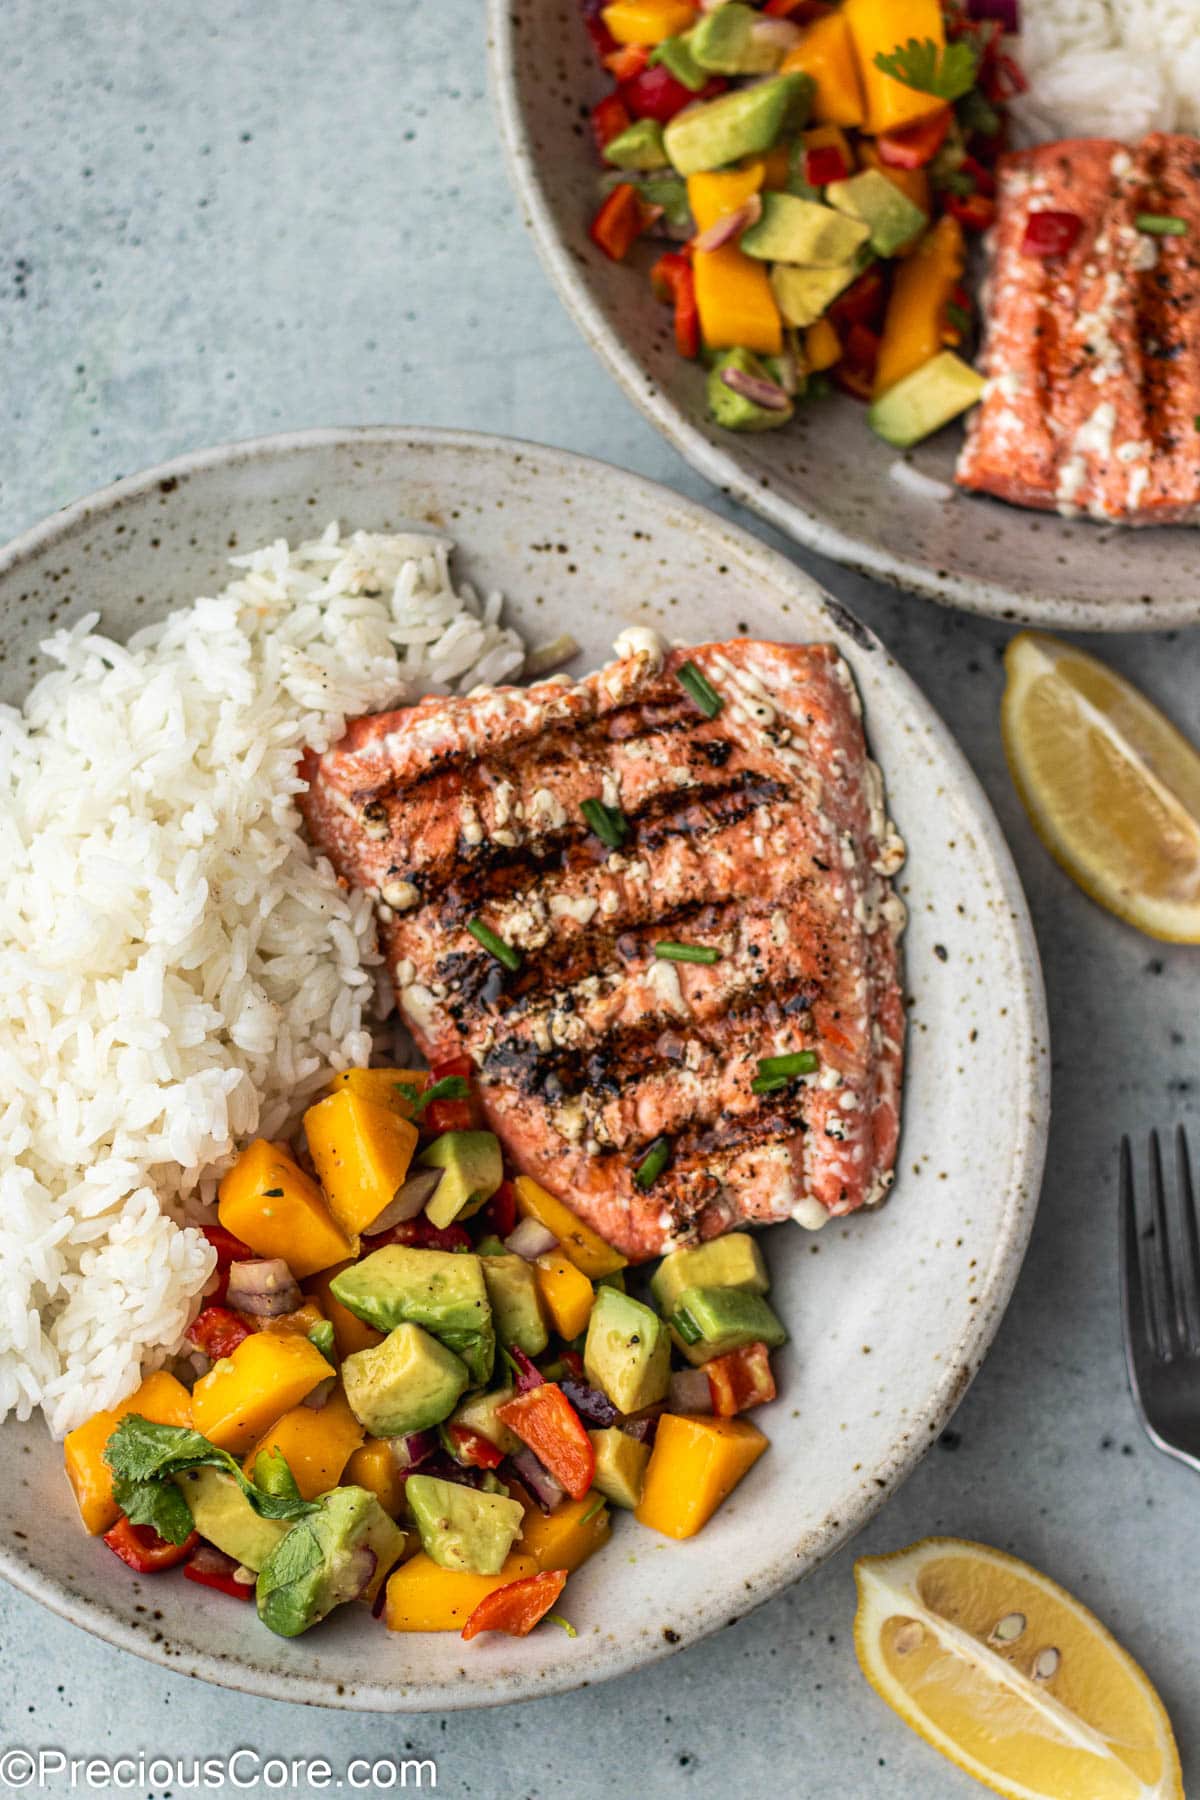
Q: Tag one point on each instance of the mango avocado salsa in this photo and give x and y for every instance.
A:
(421, 1386)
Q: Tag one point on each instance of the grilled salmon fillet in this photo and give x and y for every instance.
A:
(1093, 357)
(760, 833)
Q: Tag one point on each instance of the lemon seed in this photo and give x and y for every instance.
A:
(1045, 1663)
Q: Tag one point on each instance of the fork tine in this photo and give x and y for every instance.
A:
(1138, 1332)
(1189, 1269)
(1157, 1257)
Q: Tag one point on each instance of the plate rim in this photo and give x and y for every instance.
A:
(986, 599)
(961, 1361)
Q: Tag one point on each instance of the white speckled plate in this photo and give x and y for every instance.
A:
(825, 479)
(890, 1314)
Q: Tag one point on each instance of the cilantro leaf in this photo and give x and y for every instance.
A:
(919, 64)
(141, 1453)
(159, 1504)
(450, 1087)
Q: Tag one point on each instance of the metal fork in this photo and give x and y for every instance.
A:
(1160, 1301)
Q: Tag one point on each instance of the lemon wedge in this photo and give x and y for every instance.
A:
(1003, 1672)
(1112, 788)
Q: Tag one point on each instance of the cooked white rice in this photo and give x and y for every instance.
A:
(178, 970)
(1109, 68)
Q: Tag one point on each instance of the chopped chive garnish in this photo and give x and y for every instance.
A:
(768, 1084)
(1161, 224)
(796, 1062)
(697, 953)
(958, 316)
(653, 1163)
(566, 1625)
(608, 822)
(597, 1506)
(272, 1193)
(495, 946)
(700, 689)
(687, 1327)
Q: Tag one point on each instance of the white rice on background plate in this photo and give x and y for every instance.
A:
(1108, 68)
(178, 970)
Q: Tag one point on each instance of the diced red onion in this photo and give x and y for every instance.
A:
(361, 1566)
(767, 394)
(731, 225)
(591, 1405)
(528, 1375)
(642, 1426)
(266, 1288)
(1007, 11)
(408, 1200)
(320, 1395)
(409, 1452)
(530, 1240)
(538, 1479)
(690, 1392)
(781, 34)
(789, 373)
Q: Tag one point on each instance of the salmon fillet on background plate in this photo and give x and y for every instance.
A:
(1093, 355)
(760, 833)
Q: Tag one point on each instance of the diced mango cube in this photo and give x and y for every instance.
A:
(243, 1394)
(160, 1398)
(422, 1596)
(826, 52)
(361, 1153)
(695, 1464)
(268, 1201)
(382, 1086)
(563, 1539)
(585, 1247)
(565, 1291)
(883, 26)
(375, 1468)
(316, 1443)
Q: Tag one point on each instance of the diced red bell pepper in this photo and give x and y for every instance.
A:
(855, 373)
(863, 301)
(446, 1115)
(146, 1553)
(213, 1569)
(217, 1331)
(804, 12)
(655, 94)
(545, 1420)
(1049, 234)
(740, 1379)
(229, 1250)
(1002, 79)
(500, 1213)
(672, 279)
(974, 212)
(615, 229)
(519, 1606)
(609, 118)
(421, 1234)
(473, 1449)
(913, 146)
(824, 164)
(627, 61)
(461, 1066)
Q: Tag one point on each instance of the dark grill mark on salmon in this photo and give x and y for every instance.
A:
(759, 833)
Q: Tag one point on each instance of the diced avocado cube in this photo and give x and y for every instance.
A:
(343, 1551)
(711, 1321)
(463, 1528)
(737, 412)
(407, 1383)
(442, 1290)
(479, 1412)
(620, 1466)
(892, 219)
(639, 146)
(804, 295)
(792, 230)
(734, 1261)
(614, 1280)
(925, 400)
(725, 43)
(516, 1305)
(675, 55)
(222, 1514)
(474, 1169)
(627, 1353)
(741, 123)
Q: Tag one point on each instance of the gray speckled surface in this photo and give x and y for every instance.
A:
(235, 218)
